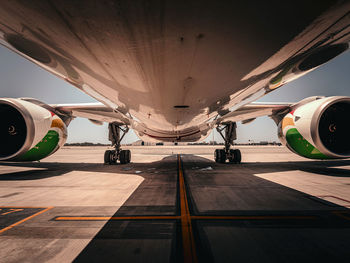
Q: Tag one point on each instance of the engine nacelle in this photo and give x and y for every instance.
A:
(29, 132)
(318, 129)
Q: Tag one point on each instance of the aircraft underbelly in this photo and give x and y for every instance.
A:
(171, 64)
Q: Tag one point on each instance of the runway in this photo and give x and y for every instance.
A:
(175, 204)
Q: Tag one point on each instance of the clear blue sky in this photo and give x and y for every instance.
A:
(21, 78)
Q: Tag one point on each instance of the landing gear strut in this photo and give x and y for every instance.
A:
(233, 155)
(111, 156)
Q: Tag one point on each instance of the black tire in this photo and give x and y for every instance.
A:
(125, 156)
(238, 156)
(107, 157)
(220, 156)
(128, 155)
(216, 155)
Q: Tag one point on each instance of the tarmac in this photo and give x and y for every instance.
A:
(175, 204)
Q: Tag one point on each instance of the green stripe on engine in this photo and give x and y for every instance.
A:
(44, 148)
(301, 146)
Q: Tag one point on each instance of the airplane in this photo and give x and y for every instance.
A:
(175, 70)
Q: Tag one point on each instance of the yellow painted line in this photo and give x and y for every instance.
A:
(22, 207)
(252, 217)
(25, 219)
(107, 218)
(189, 248)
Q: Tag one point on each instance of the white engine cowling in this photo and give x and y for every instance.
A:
(29, 132)
(318, 129)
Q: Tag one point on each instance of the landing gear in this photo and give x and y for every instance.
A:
(111, 156)
(233, 155)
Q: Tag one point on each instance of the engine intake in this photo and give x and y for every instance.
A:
(13, 130)
(318, 129)
(333, 128)
(28, 132)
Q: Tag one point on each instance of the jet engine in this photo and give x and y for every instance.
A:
(29, 132)
(318, 129)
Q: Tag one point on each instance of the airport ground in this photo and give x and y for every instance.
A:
(175, 204)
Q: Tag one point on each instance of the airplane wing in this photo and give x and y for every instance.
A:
(99, 113)
(95, 112)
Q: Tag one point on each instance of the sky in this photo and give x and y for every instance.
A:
(22, 78)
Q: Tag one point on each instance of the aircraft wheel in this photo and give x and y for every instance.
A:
(125, 156)
(128, 155)
(237, 156)
(216, 155)
(106, 157)
(220, 156)
(109, 157)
